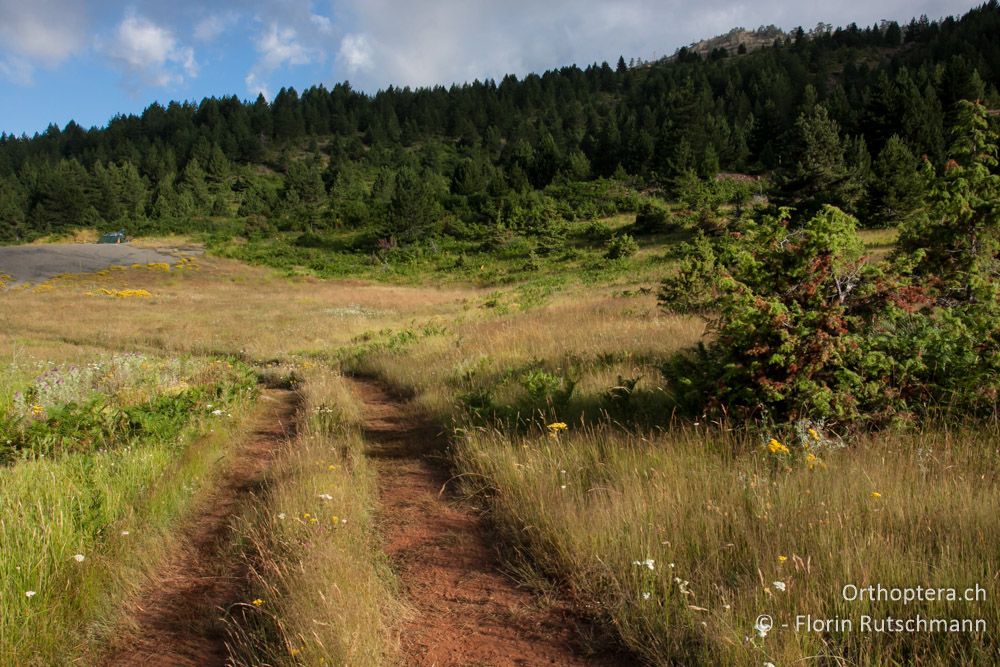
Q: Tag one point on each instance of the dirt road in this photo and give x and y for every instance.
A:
(179, 620)
(467, 612)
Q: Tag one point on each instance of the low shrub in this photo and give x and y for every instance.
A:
(652, 218)
(804, 326)
(620, 247)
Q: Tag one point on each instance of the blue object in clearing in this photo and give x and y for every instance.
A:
(113, 237)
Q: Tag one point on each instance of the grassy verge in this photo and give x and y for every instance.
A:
(105, 457)
(325, 594)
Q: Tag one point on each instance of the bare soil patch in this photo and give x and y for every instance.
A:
(466, 611)
(179, 620)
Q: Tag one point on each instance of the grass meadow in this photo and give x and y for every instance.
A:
(679, 532)
(673, 532)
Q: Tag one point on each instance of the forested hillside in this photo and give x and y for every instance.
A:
(839, 116)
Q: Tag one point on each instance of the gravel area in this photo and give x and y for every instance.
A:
(36, 263)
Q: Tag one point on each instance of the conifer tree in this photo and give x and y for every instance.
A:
(958, 241)
(193, 182)
(414, 208)
(897, 186)
(820, 172)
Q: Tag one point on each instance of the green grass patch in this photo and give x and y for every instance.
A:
(89, 498)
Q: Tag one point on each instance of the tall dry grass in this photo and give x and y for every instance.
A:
(327, 591)
(683, 538)
(682, 535)
(592, 338)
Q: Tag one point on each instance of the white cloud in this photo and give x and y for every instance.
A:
(148, 53)
(212, 26)
(17, 70)
(256, 86)
(355, 53)
(279, 46)
(45, 30)
(322, 23)
(40, 32)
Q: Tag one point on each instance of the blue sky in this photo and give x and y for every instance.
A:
(89, 60)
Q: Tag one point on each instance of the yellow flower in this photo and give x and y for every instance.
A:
(37, 410)
(133, 293)
(557, 426)
(294, 651)
(813, 434)
(258, 602)
(876, 494)
(776, 447)
(126, 293)
(782, 559)
(331, 467)
(335, 520)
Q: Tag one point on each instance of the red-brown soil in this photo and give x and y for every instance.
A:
(179, 620)
(466, 612)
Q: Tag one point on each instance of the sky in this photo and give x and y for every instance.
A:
(89, 60)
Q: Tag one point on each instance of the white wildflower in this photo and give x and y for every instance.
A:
(29, 594)
(649, 562)
(780, 585)
(79, 558)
